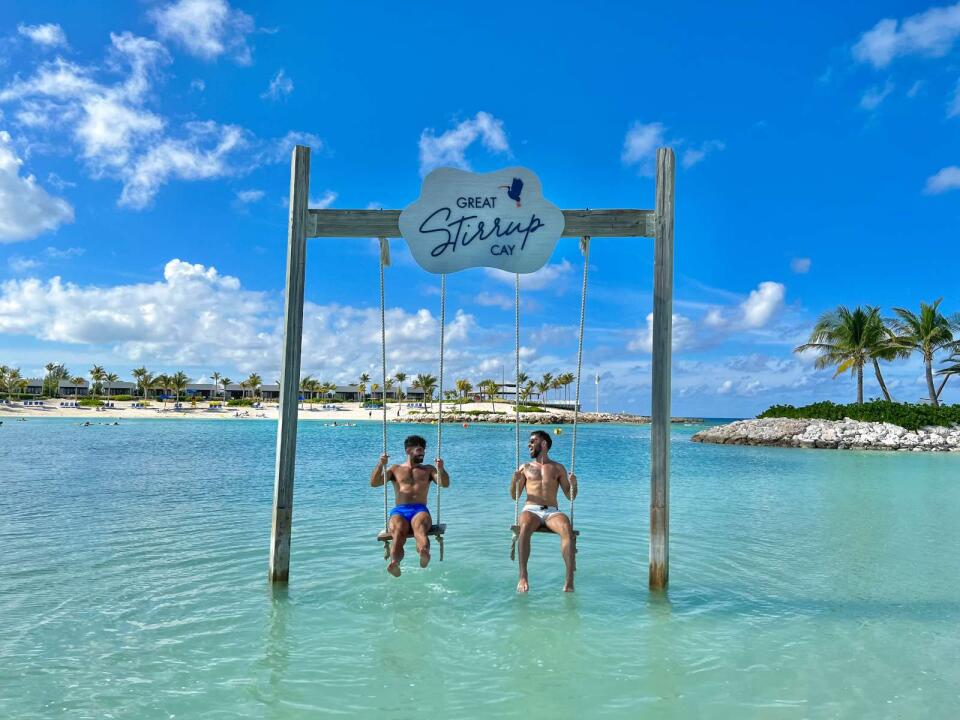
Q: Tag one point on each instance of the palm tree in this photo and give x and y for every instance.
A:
(77, 380)
(427, 383)
(362, 387)
(254, 382)
(527, 390)
(545, 384)
(463, 387)
(848, 339)
(143, 378)
(374, 389)
(111, 378)
(387, 387)
(225, 381)
(4, 382)
(951, 367)
(162, 383)
(98, 375)
(489, 388)
(566, 379)
(306, 386)
(51, 382)
(215, 377)
(179, 383)
(924, 333)
(400, 377)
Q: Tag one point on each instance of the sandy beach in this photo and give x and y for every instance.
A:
(346, 412)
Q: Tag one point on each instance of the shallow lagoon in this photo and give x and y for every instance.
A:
(804, 584)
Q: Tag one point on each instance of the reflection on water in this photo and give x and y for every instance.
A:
(803, 583)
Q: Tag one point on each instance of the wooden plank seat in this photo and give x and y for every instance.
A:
(435, 531)
(515, 529)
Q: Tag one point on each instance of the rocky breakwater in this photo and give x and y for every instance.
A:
(539, 418)
(844, 434)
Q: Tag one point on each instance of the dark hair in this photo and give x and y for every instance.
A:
(414, 441)
(545, 436)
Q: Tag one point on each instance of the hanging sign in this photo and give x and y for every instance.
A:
(464, 219)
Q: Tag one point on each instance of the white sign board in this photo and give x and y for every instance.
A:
(498, 219)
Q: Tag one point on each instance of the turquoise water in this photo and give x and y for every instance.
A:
(804, 584)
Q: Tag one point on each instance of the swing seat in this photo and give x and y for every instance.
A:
(515, 529)
(434, 531)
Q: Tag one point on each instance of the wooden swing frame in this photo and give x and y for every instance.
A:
(312, 223)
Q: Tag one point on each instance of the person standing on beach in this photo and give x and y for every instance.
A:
(540, 478)
(411, 481)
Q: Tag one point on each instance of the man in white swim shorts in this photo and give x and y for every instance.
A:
(541, 478)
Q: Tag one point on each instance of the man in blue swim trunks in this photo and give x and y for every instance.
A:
(411, 481)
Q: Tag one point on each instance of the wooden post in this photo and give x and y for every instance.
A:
(662, 350)
(290, 372)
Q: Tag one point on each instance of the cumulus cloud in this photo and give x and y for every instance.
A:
(953, 107)
(26, 209)
(280, 86)
(449, 148)
(47, 34)
(195, 315)
(946, 179)
(930, 33)
(640, 145)
(206, 29)
(801, 265)
(718, 322)
(328, 198)
(498, 300)
(119, 137)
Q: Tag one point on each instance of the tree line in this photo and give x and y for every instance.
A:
(850, 339)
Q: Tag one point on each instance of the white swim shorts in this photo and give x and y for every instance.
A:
(544, 512)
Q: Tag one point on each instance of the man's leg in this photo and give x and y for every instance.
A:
(421, 526)
(399, 529)
(560, 524)
(528, 525)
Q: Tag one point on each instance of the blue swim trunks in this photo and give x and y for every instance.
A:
(408, 511)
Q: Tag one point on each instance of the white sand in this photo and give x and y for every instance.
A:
(348, 412)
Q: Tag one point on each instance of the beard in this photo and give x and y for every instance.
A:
(415, 460)
(533, 452)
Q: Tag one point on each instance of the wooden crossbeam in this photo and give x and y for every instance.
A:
(385, 223)
(434, 531)
(515, 529)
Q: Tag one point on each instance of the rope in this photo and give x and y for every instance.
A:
(384, 261)
(516, 411)
(585, 249)
(443, 321)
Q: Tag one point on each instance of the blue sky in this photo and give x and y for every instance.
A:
(144, 171)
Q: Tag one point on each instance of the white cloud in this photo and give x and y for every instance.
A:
(946, 179)
(872, 98)
(280, 86)
(279, 150)
(953, 107)
(449, 149)
(498, 300)
(762, 304)
(718, 323)
(249, 196)
(328, 198)
(725, 387)
(47, 34)
(64, 254)
(20, 264)
(198, 85)
(640, 145)
(930, 33)
(203, 154)
(555, 276)
(683, 336)
(206, 29)
(801, 265)
(691, 156)
(26, 209)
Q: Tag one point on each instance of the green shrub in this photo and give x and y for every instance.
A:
(906, 415)
(122, 398)
(530, 408)
(241, 402)
(89, 402)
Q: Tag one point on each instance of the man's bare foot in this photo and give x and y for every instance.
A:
(394, 568)
(424, 557)
(523, 585)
